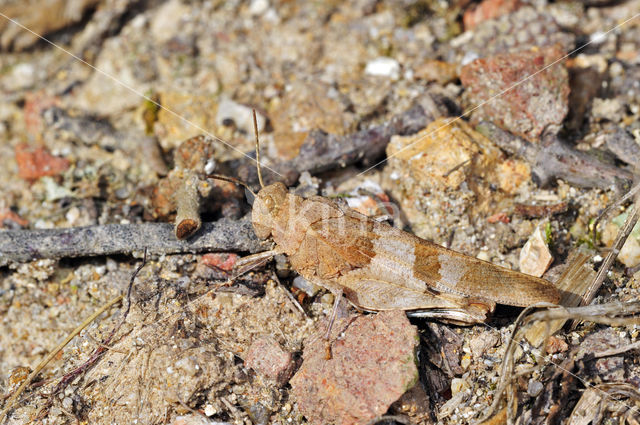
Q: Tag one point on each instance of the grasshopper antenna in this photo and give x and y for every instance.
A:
(231, 180)
(255, 131)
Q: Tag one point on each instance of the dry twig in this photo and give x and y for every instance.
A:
(27, 245)
(554, 159)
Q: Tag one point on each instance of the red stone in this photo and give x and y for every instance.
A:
(268, 359)
(502, 217)
(367, 367)
(488, 9)
(220, 261)
(517, 92)
(34, 163)
(7, 215)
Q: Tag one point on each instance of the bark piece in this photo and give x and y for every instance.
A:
(538, 211)
(322, 151)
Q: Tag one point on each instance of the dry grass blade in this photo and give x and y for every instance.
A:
(615, 314)
(572, 284)
(12, 400)
(621, 238)
(10, 403)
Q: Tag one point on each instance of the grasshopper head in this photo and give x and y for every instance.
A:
(266, 207)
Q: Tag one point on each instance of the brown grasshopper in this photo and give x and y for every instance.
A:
(379, 267)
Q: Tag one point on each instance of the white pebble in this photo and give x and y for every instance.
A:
(383, 67)
(258, 7)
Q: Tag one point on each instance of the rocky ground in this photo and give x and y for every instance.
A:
(498, 128)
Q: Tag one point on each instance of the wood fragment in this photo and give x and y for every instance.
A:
(110, 239)
(622, 144)
(592, 408)
(539, 211)
(617, 350)
(323, 151)
(188, 207)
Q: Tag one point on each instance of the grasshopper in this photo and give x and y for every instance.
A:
(380, 267)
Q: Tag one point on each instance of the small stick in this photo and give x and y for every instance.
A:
(188, 207)
(255, 131)
(555, 159)
(53, 353)
(109, 239)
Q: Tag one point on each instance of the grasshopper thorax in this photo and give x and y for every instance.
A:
(266, 207)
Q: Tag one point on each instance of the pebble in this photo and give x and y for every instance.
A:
(483, 255)
(383, 67)
(529, 106)
(438, 71)
(534, 388)
(465, 362)
(268, 359)
(258, 7)
(368, 198)
(209, 410)
(488, 9)
(439, 155)
(607, 109)
(556, 344)
(34, 163)
(479, 344)
(167, 21)
(53, 191)
(535, 256)
(369, 367)
(304, 285)
(23, 75)
(240, 115)
(327, 299)
(196, 419)
(459, 385)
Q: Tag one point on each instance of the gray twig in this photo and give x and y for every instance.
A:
(322, 151)
(555, 159)
(109, 239)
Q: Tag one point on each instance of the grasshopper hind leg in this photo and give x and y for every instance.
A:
(250, 262)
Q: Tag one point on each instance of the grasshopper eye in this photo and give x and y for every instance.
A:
(269, 203)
